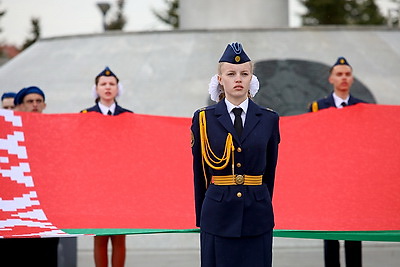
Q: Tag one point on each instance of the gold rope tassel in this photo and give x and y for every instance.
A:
(212, 160)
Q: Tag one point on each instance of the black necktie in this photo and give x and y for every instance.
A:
(238, 120)
(343, 104)
(109, 113)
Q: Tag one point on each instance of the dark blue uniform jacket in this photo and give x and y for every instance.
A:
(328, 102)
(96, 108)
(219, 210)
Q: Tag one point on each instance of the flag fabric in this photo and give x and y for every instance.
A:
(338, 174)
(67, 174)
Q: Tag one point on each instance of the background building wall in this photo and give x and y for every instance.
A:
(233, 14)
(167, 73)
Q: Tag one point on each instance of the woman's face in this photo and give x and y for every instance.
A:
(107, 88)
(235, 79)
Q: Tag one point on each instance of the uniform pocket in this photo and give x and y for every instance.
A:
(259, 195)
(215, 193)
(262, 193)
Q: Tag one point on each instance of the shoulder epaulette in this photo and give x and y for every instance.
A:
(205, 108)
(269, 109)
(314, 106)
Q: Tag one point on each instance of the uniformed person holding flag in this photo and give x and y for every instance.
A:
(235, 152)
(341, 77)
(106, 89)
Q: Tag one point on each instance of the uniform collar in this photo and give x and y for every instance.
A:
(104, 109)
(339, 101)
(244, 105)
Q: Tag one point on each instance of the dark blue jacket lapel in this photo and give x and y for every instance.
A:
(221, 112)
(252, 119)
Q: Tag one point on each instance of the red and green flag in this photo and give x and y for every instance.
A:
(338, 174)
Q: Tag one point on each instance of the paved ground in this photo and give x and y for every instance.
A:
(181, 250)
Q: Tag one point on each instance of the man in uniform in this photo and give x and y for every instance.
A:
(30, 99)
(7, 100)
(341, 78)
(30, 251)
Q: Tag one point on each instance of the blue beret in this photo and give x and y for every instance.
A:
(234, 54)
(341, 61)
(19, 98)
(8, 95)
(107, 72)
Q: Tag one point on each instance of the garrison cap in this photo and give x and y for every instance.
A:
(8, 95)
(107, 72)
(234, 54)
(340, 61)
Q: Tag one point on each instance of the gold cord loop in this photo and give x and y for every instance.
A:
(212, 160)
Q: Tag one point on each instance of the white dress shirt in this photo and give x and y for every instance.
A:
(339, 101)
(244, 105)
(104, 109)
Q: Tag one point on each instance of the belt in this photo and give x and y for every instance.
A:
(237, 180)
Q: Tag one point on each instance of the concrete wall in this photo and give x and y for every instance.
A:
(167, 73)
(233, 14)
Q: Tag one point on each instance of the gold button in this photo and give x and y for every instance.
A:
(239, 194)
(238, 165)
(239, 149)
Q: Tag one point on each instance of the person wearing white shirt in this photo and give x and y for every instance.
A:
(235, 151)
(341, 77)
(106, 90)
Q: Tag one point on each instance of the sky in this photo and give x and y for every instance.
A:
(72, 17)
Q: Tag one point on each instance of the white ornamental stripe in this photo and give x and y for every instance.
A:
(27, 200)
(53, 233)
(28, 223)
(34, 214)
(11, 144)
(11, 117)
(22, 213)
(16, 173)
